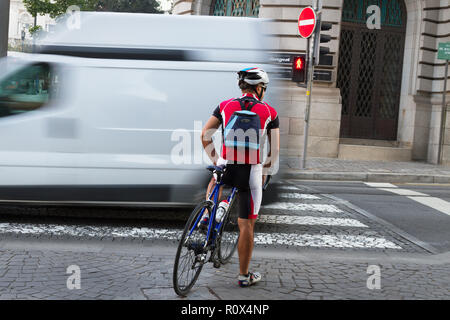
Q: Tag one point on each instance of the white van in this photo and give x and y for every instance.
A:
(109, 111)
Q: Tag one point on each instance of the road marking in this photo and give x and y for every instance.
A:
(312, 221)
(404, 192)
(330, 241)
(290, 239)
(303, 207)
(288, 187)
(425, 199)
(435, 203)
(301, 196)
(380, 185)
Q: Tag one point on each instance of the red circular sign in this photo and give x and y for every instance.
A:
(307, 22)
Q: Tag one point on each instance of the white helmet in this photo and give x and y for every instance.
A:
(254, 76)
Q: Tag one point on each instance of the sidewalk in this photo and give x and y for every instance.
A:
(368, 171)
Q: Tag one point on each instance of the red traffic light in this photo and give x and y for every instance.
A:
(299, 69)
(299, 63)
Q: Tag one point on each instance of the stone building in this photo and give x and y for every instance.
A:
(384, 100)
(20, 19)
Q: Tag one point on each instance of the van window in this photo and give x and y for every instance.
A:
(27, 89)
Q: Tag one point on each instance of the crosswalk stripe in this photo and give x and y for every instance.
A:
(326, 208)
(308, 220)
(380, 185)
(290, 239)
(300, 196)
(331, 241)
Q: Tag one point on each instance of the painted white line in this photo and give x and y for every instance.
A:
(303, 207)
(301, 196)
(432, 202)
(435, 203)
(290, 239)
(311, 221)
(330, 241)
(380, 185)
(404, 192)
(288, 187)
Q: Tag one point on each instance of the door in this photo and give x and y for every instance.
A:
(370, 69)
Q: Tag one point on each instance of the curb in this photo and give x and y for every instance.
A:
(367, 177)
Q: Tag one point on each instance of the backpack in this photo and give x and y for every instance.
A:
(242, 132)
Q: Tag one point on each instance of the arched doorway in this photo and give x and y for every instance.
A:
(238, 8)
(370, 69)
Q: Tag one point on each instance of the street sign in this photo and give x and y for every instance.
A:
(307, 22)
(444, 51)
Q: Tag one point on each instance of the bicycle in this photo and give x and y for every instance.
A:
(219, 241)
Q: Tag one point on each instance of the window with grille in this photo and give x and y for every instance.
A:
(237, 8)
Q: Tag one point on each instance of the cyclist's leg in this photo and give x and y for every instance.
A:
(248, 213)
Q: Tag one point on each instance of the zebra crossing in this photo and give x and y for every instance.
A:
(298, 218)
(329, 225)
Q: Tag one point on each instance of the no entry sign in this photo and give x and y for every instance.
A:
(307, 22)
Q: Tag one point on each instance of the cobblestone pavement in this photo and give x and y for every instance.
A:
(121, 272)
(308, 246)
(338, 165)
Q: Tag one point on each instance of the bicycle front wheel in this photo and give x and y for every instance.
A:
(229, 235)
(191, 255)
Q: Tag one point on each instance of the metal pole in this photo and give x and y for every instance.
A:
(443, 116)
(4, 26)
(310, 46)
(308, 102)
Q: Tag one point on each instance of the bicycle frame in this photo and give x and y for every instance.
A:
(214, 197)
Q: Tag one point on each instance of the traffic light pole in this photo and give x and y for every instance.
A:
(310, 54)
(310, 45)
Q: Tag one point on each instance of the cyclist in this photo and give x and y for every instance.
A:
(244, 170)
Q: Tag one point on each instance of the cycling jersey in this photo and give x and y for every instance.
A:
(246, 177)
(268, 120)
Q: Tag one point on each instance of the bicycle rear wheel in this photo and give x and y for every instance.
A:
(229, 234)
(188, 259)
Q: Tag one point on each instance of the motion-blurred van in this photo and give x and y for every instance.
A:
(109, 109)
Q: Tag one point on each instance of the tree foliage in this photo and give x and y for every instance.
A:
(57, 7)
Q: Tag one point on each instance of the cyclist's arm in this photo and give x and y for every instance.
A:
(274, 151)
(209, 129)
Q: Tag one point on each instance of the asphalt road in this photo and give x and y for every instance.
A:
(423, 222)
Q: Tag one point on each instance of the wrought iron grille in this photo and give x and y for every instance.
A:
(345, 62)
(238, 8)
(366, 74)
(392, 12)
(392, 76)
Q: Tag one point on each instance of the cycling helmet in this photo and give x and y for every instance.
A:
(254, 76)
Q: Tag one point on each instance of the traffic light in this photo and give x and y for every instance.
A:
(299, 69)
(320, 52)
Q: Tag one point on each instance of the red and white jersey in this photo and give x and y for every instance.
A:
(268, 117)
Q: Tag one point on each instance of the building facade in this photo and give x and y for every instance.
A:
(20, 20)
(384, 100)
